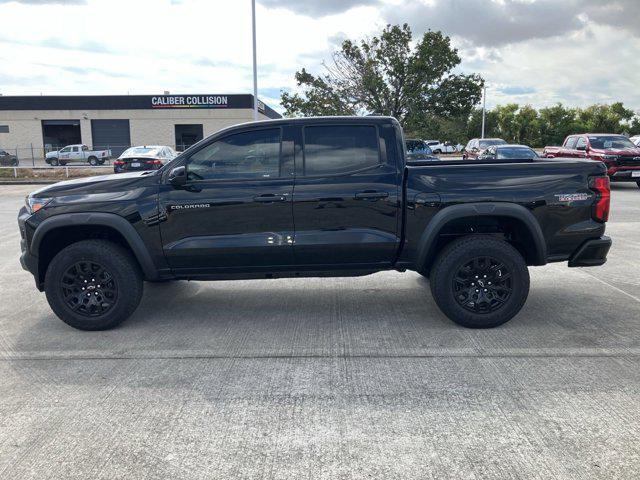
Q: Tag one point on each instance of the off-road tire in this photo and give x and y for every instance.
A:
(53, 162)
(117, 262)
(451, 262)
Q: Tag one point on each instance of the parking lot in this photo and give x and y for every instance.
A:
(327, 378)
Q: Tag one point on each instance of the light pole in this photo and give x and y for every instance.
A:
(255, 63)
(484, 108)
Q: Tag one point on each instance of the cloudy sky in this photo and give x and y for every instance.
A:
(529, 51)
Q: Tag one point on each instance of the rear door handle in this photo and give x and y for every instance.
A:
(271, 197)
(371, 195)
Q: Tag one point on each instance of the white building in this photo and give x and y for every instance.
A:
(42, 123)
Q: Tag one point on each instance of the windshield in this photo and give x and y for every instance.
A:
(138, 151)
(418, 146)
(610, 141)
(492, 141)
(512, 153)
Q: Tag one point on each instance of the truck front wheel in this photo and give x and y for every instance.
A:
(93, 285)
(479, 281)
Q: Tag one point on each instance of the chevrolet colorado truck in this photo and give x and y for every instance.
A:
(620, 155)
(314, 197)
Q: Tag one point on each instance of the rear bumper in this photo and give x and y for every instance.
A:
(591, 253)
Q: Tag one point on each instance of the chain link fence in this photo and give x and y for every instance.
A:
(30, 155)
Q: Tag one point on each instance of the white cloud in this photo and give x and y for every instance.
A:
(538, 52)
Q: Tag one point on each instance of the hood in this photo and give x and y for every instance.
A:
(103, 184)
(624, 152)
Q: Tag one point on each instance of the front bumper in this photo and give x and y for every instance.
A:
(624, 174)
(591, 253)
(28, 261)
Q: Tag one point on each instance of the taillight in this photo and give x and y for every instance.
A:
(154, 162)
(118, 162)
(602, 187)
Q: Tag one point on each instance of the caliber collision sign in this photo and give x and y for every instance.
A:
(189, 101)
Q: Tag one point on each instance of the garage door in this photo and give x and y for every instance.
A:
(111, 134)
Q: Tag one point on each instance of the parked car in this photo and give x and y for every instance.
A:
(617, 152)
(7, 159)
(476, 145)
(441, 147)
(418, 149)
(636, 140)
(508, 152)
(77, 153)
(332, 196)
(147, 157)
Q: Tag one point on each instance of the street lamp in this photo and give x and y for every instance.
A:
(255, 65)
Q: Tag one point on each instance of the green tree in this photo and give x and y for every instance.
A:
(605, 118)
(556, 123)
(389, 75)
(527, 126)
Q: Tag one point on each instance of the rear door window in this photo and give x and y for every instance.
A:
(339, 149)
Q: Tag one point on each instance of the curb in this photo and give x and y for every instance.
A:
(28, 182)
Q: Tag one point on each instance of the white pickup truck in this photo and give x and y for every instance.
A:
(77, 153)
(439, 147)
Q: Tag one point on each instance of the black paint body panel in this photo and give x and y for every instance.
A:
(382, 217)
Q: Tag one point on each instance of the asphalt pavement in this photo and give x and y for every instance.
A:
(327, 378)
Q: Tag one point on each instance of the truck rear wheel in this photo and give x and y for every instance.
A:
(93, 161)
(479, 281)
(93, 285)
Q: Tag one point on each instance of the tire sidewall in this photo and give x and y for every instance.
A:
(116, 261)
(455, 258)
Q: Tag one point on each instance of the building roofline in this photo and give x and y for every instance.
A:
(132, 102)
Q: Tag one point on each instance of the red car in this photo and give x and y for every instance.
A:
(620, 155)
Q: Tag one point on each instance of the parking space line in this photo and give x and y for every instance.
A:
(613, 286)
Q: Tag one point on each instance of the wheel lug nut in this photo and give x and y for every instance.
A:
(485, 289)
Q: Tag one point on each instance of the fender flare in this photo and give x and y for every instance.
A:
(111, 220)
(430, 234)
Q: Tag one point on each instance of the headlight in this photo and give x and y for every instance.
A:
(34, 203)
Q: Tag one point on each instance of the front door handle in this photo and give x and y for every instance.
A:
(270, 197)
(371, 195)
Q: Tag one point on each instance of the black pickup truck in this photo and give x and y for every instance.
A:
(314, 197)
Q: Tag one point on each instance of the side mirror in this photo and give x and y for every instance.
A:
(178, 176)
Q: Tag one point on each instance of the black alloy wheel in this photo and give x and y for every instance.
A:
(482, 285)
(89, 289)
